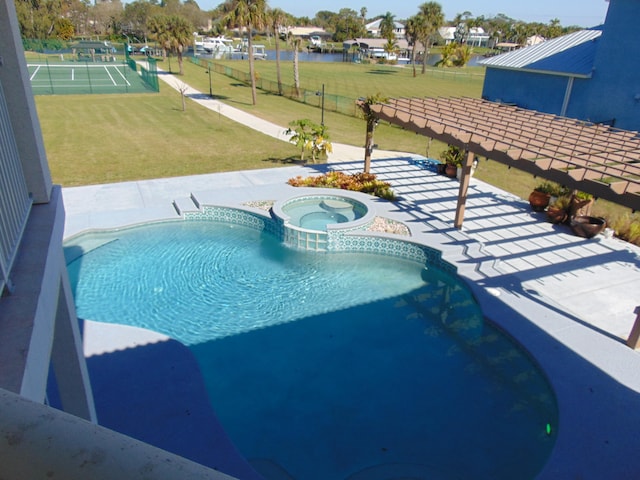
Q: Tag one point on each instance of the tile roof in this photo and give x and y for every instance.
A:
(570, 54)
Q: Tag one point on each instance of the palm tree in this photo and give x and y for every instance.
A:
(180, 36)
(388, 26)
(463, 55)
(391, 47)
(363, 14)
(174, 33)
(414, 31)
(249, 14)
(433, 17)
(448, 55)
(295, 44)
(277, 19)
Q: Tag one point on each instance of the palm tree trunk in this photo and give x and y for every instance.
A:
(254, 95)
(424, 59)
(413, 58)
(278, 64)
(296, 74)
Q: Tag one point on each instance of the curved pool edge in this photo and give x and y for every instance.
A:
(595, 377)
(591, 384)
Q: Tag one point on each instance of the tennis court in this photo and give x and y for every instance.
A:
(85, 78)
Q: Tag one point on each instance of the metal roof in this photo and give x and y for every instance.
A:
(570, 54)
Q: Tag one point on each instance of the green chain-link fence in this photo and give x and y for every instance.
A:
(332, 103)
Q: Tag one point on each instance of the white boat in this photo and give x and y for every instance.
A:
(259, 52)
(218, 46)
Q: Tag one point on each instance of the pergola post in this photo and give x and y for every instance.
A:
(464, 186)
(634, 337)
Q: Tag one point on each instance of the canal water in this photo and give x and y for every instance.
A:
(287, 56)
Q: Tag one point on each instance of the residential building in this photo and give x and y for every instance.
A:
(474, 37)
(373, 29)
(591, 74)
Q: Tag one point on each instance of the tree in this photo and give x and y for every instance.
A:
(413, 31)
(463, 55)
(295, 44)
(174, 33)
(391, 47)
(388, 26)
(448, 55)
(347, 25)
(137, 15)
(107, 17)
(433, 17)
(363, 14)
(277, 19)
(249, 14)
(325, 19)
(63, 29)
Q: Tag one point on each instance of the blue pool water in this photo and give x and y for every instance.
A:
(327, 366)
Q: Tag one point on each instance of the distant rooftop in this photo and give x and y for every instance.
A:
(571, 54)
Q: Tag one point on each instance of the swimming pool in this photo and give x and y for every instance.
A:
(327, 365)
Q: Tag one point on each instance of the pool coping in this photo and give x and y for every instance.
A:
(595, 377)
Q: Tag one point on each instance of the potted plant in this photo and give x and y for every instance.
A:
(558, 209)
(581, 204)
(541, 195)
(453, 158)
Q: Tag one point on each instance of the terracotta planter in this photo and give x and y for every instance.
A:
(450, 170)
(539, 201)
(587, 227)
(557, 215)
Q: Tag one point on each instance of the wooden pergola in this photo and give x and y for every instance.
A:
(593, 158)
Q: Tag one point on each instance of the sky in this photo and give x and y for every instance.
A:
(584, 13)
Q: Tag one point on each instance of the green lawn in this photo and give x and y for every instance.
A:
(94, 139)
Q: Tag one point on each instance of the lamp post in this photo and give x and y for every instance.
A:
(321, 94)
(209, 72)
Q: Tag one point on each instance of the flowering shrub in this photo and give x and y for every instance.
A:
(357, 182)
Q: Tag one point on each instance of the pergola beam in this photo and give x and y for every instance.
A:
(573, 153)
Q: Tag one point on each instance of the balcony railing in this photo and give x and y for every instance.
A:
(15, 202)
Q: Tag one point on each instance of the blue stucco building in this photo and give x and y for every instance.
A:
(592, 74)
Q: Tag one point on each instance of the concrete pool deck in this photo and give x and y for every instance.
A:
(569, 301)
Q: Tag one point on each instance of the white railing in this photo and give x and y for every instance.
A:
(15, 202)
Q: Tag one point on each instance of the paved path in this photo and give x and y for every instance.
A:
(341, 152)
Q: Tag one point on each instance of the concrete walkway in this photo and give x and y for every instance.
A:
(569, 301)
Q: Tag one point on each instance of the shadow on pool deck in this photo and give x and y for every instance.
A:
(154, 392)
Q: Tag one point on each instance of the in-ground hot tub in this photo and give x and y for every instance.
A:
(315, 213)
(309, 219)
